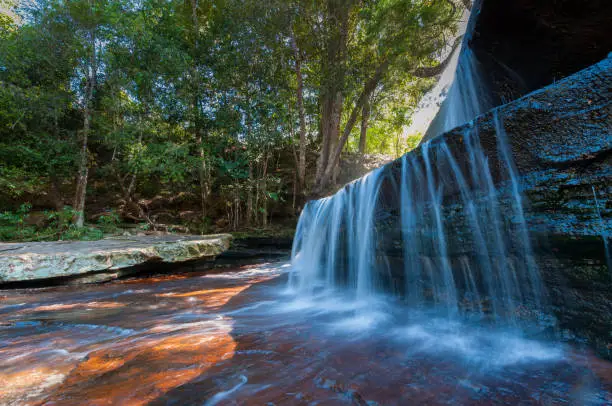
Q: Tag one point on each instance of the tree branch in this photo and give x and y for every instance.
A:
(363, 97)
(430, 71)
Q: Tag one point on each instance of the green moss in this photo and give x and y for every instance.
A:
(585, 274)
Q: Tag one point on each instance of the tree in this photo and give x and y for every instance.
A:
(394, 34)
(37, 120)
(224, 102)
(301, 161)
(85, 25)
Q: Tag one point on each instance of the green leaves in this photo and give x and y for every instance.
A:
(200, 95)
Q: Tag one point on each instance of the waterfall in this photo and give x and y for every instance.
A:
(604, 234)
(468, 95)
(464, 244)
(336, 240)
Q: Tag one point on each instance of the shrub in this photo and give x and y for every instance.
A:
(57, 225)
(108, 222)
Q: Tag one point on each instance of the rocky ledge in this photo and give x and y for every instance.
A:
(561, 141)
(98, 261)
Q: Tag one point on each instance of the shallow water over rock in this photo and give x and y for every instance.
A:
(241, 337)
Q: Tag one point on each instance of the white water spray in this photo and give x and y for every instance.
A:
(464, 239)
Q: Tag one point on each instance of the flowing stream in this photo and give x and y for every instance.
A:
(243, 338)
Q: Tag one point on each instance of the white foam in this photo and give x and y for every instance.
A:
(485, 347)
(225, 394)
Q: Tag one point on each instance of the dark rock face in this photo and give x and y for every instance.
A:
(561, 140)
(525, 45)
(522, 45)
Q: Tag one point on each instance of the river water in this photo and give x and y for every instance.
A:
(242, 338)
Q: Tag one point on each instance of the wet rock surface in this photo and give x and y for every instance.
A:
(525, 45)
(521, 46)
(98, 261)
(561, 141)
(561, 138)
(235, 338)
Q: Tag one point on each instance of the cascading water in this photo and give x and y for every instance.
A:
(464, 239)
(604, 235)
(336, 239)
(468, 95)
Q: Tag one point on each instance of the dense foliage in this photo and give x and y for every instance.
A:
(224, 113)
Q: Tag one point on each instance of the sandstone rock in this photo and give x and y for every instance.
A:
(561, 140)
(95, 261)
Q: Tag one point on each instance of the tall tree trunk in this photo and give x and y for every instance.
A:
(56, 190)
(203, 176)
(301, 168)
(257, 193)
(249, 210)
(365, 117)
(331, 111)
(199, 139)
(132, 185)
(333, 69)
(56, 193)
(83, 170)
(81, 187)
(334, 159)
(264, 189)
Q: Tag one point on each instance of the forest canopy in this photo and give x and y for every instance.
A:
(225, 112)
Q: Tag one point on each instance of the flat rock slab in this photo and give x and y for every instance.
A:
(20, 262)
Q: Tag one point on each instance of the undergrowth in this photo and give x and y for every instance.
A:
(25, 225)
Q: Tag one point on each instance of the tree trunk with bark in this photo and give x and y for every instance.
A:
(83, 170)
(365, 117)
(334, 159)
(249, 208)
(203, 176)
(334, 72)
(199, 139)
(301, 162)
(264, 192)
(326, 173)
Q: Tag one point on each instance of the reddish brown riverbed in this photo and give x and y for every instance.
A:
(239, 338)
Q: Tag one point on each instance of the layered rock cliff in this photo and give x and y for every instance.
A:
(561, 140)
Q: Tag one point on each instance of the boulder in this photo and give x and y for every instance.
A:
(96, 261)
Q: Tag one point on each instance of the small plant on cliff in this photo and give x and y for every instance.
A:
(60, 220)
